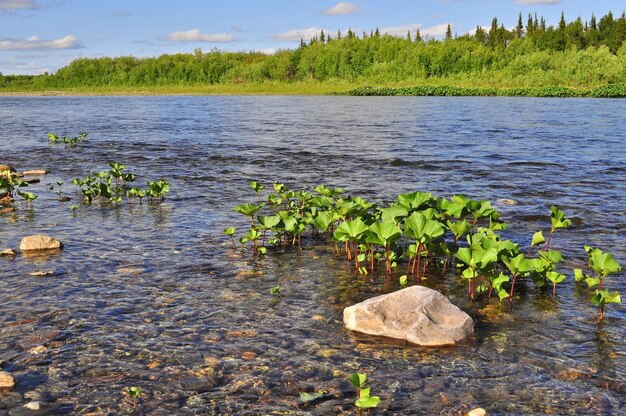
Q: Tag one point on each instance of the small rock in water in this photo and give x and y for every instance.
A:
(36, 405)
(506, 201)
(40, 242)
(42, 273)
(64, 199)
(249, 355)
(6, 210)
(31, 180)
(8, 252)
(35, 172)
(131, 270)
(6, 380)
(479, 411)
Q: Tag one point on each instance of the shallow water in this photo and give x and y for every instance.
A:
(154, 296)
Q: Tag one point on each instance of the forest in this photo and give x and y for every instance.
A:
(582, 57)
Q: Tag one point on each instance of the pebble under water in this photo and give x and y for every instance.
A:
(154, 296)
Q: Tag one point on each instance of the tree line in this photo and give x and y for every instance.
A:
(576, 53)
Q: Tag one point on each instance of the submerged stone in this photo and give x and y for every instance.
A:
(40, 242)
(417, 314)
(6, 380)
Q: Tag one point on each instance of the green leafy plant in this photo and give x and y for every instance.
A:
(134, 393)
(363, 398)
(558, 220)
(230, 232)
(602, 264)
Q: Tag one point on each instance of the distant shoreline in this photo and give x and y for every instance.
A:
(606, 91)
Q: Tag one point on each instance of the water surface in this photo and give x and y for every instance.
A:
(153, 295)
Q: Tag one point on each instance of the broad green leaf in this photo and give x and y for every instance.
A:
(357, 379)
(603, 263)
(350, 230)
(309, 397)
(415, 200)
(230, 231)
(247, 209)
(459, 228)
(503, 294)
(465, 255)
(592, 281)
(420, 228)
(268, 221)
(578, 275)
(555, 277)
(538, 239)
(323, 220)
(403, 280)
(394, 213)
(498, 280)
(384, 233)
(557, 217)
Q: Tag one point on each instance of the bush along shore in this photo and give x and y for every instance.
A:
(607, 91)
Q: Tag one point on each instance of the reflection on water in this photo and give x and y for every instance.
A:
(154, 295)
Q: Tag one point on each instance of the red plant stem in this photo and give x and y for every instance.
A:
(601, 314)
(372, 257)
(445, 265)
(349, 253)
(549, 238)
(419, 259)
(600, 283)
(388, 258)
(356, 255)
(512, 290)
(232, 240)
(553, 290)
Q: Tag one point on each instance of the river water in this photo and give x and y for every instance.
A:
(154, 296)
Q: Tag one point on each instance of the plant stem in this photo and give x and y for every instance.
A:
(512, 290)
(549, 238)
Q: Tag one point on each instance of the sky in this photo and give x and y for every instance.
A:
(38, 36)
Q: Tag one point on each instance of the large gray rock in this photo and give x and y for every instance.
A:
(40, 242)
(417, 314)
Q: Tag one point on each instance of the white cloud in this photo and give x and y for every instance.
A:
(297, 34)
(434, 31)
(23, 68)
(342, 8)
(17, 4)
(34, 43)
(268, 51)
(194, 35)
(531, 2)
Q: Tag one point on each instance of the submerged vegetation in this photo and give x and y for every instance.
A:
(422, 230)
(576, 58)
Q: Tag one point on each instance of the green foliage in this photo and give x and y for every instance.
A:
(364, 400)
(111, 185)
(602, 264)
(71, 141)
(569, 60)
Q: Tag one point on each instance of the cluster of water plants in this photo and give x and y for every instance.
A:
(110, 186)
(417, 232)
(70, 141)
(10, 186)
(363, 398)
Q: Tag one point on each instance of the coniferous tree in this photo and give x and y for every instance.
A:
(519, 30)
(448, 32)
(418, 36)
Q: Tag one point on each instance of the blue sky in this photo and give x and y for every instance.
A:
(44, 35)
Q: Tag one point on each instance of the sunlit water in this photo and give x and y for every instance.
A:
(154, 296)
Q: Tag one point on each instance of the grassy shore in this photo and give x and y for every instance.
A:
(437, 88)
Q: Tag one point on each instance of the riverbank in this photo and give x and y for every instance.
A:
(310, 88)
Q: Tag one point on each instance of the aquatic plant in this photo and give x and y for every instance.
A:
(558, 220)
(363, 398)
(602, 264)
(230, 231)
(70, 141)
(10, 184)
(134, 393)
